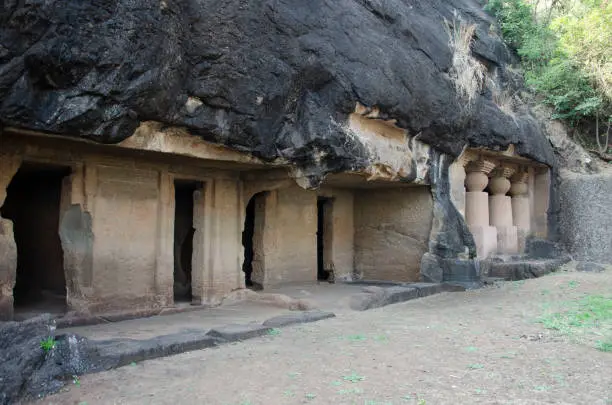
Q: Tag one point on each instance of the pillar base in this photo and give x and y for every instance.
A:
(500, 210)
(6, 308)
(477, 208)
(485, 238)
(507, 240)
(521, 212)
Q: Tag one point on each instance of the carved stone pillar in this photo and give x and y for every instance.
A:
(477, 207)
(9, 164)
(521, 212)
(541, 201)
(500, 210)
(457, 175)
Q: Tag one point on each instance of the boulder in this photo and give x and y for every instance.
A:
(27, 370)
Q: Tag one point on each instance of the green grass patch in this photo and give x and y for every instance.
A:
(353, 377)
(604, 346)
(274, 332)
(47, 344)
(357, 338)
(584, 319)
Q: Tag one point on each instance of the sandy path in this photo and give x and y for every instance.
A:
(456, 348)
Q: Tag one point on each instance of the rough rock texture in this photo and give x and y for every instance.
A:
(450, 237)
(590, 267)
(521, 269)
(275, 78)
(586, 215)
(121, 352)
(26, 370)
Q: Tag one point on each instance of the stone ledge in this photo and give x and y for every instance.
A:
(121, 352)
(299, 317)
(237, 332)
(374, 296)
(520, 270)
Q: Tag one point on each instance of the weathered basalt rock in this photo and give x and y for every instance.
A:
(276, 79)
(26, 370)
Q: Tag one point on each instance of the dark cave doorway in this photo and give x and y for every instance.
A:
(184, 231)
(252, 241)
(33, 204)
(324, 235)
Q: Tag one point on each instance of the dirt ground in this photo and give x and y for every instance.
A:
(479, 347)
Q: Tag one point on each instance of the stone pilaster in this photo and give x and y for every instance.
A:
(521, 212)
(541, 201)
(500, 209)
(457, 175)
(9, 164)
(477, 206)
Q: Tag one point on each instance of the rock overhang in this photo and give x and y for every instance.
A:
(274, 80)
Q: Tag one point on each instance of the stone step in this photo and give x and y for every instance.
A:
(520, 270)
(375, 296)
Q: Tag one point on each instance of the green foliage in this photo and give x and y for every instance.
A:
(47, 344)
(565, 52)
(590, 315)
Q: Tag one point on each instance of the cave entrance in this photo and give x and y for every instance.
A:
(324, 238)
(184, 231)
(33, 205)
(252, 241)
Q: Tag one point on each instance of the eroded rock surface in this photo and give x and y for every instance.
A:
(273, 78)
(27, 370)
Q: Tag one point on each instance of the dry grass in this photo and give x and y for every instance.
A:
(467, 73)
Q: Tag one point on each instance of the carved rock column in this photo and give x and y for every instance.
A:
(9, 164)
(477, 207)
(457, 174)
(541, 201)
(521, 212)
(500, 210)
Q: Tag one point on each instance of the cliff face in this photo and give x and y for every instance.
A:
(273, 78)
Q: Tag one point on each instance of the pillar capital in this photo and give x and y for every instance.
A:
(481, 166)
(466, 157)
(518, 182)
(503, 170)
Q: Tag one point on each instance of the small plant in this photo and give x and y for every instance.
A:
(47, 344)
(274, 332)
(356, 338)
(76, 381)
(353, 377)
(475, 366)
(604, 346)
(310, 396)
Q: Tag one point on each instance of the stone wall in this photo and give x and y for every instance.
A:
(117, 224)
(392, 229)
(291, 249)
(586, 215)
(125, 228)
(343, 230)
